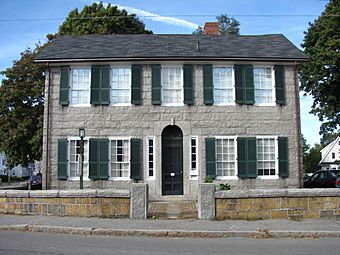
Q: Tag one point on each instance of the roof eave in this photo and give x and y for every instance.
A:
(169, 58)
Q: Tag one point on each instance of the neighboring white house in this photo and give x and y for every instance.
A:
(18, 170)
(330, 155)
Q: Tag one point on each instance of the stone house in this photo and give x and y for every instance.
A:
(172, 111)
(330, 156)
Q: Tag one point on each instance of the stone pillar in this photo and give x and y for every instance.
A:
(139, 201)
(206, 201)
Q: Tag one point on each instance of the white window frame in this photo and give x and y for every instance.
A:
(86, 176)
(194, 174)
(148, 177)
(181, 103)
(232, 81)
(88, 104)
(235, 160)
(130, 78)
(273, 103)
(129, 157)
(276, 176)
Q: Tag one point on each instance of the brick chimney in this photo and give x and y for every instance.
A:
(211, 28)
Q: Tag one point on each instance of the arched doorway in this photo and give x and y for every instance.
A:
(172, 161)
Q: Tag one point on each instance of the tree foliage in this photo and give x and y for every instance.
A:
(228, 25)
(312, 158)
(21, 110)
(320, 77)
(22, 91)
(101, 19)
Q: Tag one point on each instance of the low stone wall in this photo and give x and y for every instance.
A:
(277, 204)
(84, 203)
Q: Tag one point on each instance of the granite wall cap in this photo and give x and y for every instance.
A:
(113, 193)
(44, 193)
(78, 193)
(17, 193)
(2, 193)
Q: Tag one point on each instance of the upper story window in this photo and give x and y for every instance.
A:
(333, 155)
(80, 86)
(172, 87)
(263, 85)
(121, 85)
(223, 85)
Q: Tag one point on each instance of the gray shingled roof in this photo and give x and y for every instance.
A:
(120, 47)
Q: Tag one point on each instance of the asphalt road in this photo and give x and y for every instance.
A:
(27, 243)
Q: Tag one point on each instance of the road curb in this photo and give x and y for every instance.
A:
(258, 234)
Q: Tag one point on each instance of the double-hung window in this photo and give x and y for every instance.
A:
(74, 159)
(120, 158)
(120, 85)
(80, 85)
(223, 85)
(226, 157)
(172, 85)
(264, 85)
(266, 157)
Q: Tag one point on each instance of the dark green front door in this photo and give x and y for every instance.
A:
(172, 161)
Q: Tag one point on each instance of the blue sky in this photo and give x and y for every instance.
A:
(23, 23)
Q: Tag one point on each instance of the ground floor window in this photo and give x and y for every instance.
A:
(194, 157)
(150, 157)
(266, 156)
(225, 157)
(74, 159)
(120, 159)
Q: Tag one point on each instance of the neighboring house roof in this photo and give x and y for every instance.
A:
(274, 47)
(325, 151)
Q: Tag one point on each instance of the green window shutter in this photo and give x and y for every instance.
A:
(99, 159)
(251, 157)
(136, 84)
(280, 84)
(247, 157)
(210, 157)
(244, 84)
(62, 159)
(93, 159)
(135, 154)
(103, 159)
(188, 84)
(283, 156)
(100, 85)
(156, 84)
(64, 86)
(105, 85)
(249, 84)
(242, 157)
(208, 87)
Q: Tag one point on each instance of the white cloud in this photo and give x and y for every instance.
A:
(159, 18)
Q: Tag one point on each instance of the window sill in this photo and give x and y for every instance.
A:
(77, 179)
(121, 104)
(271, 177)
(80, 105)
(225, 178)
(224, 104)
(119, 179)
(265, 104)
(174, 104)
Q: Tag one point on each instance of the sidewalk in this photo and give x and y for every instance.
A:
(308, 228)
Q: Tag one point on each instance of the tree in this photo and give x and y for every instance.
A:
(305, 147)
(328, 138)
(312, 158)
(228, 25)
(198, 31)
(98, 19)
(21, 110)
(22, 92)
(320, 77)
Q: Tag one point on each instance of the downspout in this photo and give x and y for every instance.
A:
(47, 157)
(297, 123)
